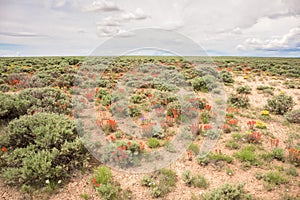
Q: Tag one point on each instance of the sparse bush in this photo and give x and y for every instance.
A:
(196, 180)
(220, 157)
(194, 148)
(273, 178)
(243, 90)
(227, 77)
(293, 116)
(239, 101)
(278, 154)
(4, 88)
(108, 188)
(232, 144)
(247, 154)
(153, 143)
(199, 84)
(160, 183)
(227, 192)
(280, 104)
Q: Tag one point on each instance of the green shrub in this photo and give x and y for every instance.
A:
(41, 147)
(247, 154)
(153, 143)
(280, 104)
(196, 180)
(173, 106)
(291, 171)
(273, 178)
(161, 182)
(239, 101)
(199, 84)
(166, 181)
(232, 144)
(134, 110)
(4, 88)
(221, 157)
(293, 116)
(243, 90)
(227, 77)
(102, 175)
(194, 148)
(266, 89)
(227, 192)
(12, 106)
(47, 100)
(147, 181)
(199, 181)
(106, 187)
(278, 154)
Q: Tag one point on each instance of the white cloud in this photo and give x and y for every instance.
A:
(111, 25)
(101, 5)
(289, 41)
(61, 26)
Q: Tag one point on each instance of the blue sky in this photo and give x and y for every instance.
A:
(78, 27)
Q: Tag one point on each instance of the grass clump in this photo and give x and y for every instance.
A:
(108, 188)
(227, 192)
(273, 178)
(161, 182)
(194, 148)
(196, 180)
(153, 143)
(248, 155)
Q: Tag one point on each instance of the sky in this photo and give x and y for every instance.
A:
(218, 27)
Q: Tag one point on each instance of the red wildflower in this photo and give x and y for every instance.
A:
(16, 81)
(124, 147)
(128, 143)
(113, 138)
(142, 145)
(3, 149)
(94, 181)
(233, 121)
(208, 107)
(206, 126)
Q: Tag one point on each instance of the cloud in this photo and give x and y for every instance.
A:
(101, 5)
(289, 41)
(20, 34)
(111, 25)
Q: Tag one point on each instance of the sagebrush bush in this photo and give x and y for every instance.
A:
(293, 116)
(227, 192)
(280, 104)
(33, 100)
(227, 78)
(12, 106)
(41, 147)
(243, 90)
(239, 101)
(199, 84)
(47, 100)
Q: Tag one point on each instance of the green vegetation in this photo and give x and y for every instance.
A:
(160, 183)
(196, 180)
(280, 104)
(41, 148)
(293, 116)
(227, 191)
